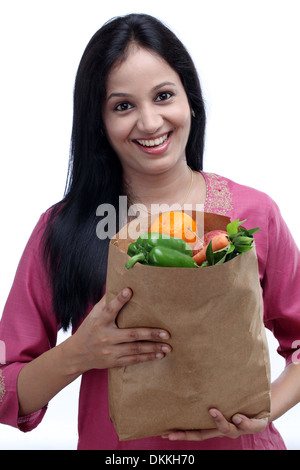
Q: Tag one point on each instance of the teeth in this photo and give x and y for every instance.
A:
(153, 143)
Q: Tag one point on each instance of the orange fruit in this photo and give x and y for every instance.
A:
(176, 224)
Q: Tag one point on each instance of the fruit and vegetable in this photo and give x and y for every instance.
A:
(177, 224)
(158, 249)
(220, 246)
(162, 248)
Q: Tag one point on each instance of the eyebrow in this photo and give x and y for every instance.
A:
(128, 95)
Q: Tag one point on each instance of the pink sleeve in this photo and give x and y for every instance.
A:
(279, 266)
(281, 286)
(28, 328)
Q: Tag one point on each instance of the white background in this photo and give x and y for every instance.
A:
(247, 55)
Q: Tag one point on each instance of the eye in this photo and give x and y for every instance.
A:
(123, 106)
(164, 96)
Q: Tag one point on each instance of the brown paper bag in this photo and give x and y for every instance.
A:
(219, 352)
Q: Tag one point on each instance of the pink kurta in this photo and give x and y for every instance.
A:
(28, 326)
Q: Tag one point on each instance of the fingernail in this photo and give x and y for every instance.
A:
(166, 348)
(164, 335)
(159, 355)
(125, 293)
(213, 414)
(237, 419)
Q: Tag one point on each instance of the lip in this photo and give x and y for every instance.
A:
(157, 149)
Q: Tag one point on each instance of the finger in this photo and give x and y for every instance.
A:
(196, 435)
(144, 347)
(124, 361)
(109, 312)
(247, 425)
(221, 422)
(131, 334)
(126, 335)
(112, 308)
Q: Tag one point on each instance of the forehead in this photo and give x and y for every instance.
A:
(140, 67)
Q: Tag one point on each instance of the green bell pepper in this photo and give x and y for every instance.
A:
(152, 239)
(133, 249)
(144, 251)
(168, 258)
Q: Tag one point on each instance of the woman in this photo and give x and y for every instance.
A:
(138, 130)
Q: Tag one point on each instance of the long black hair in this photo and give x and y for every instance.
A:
(74, 256)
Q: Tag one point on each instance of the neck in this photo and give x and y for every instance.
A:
(167, 187)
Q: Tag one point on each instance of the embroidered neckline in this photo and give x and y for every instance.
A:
(218, 195)
(2, 386)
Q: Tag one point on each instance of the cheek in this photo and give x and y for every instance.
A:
(181, 115)
(117, 130)
(114, 133)
(182, 121)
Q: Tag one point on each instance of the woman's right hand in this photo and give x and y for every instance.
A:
(100, 344)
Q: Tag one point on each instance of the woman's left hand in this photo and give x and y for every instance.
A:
(240, 425)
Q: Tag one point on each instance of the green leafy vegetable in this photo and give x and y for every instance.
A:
(241, 240)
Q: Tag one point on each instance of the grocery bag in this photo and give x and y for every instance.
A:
(219, 356)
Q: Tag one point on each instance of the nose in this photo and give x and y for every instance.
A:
(149, 120)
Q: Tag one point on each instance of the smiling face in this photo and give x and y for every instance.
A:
(146, 113)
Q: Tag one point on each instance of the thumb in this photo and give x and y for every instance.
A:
(238, 419)
(248, 425)
(112, 308)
